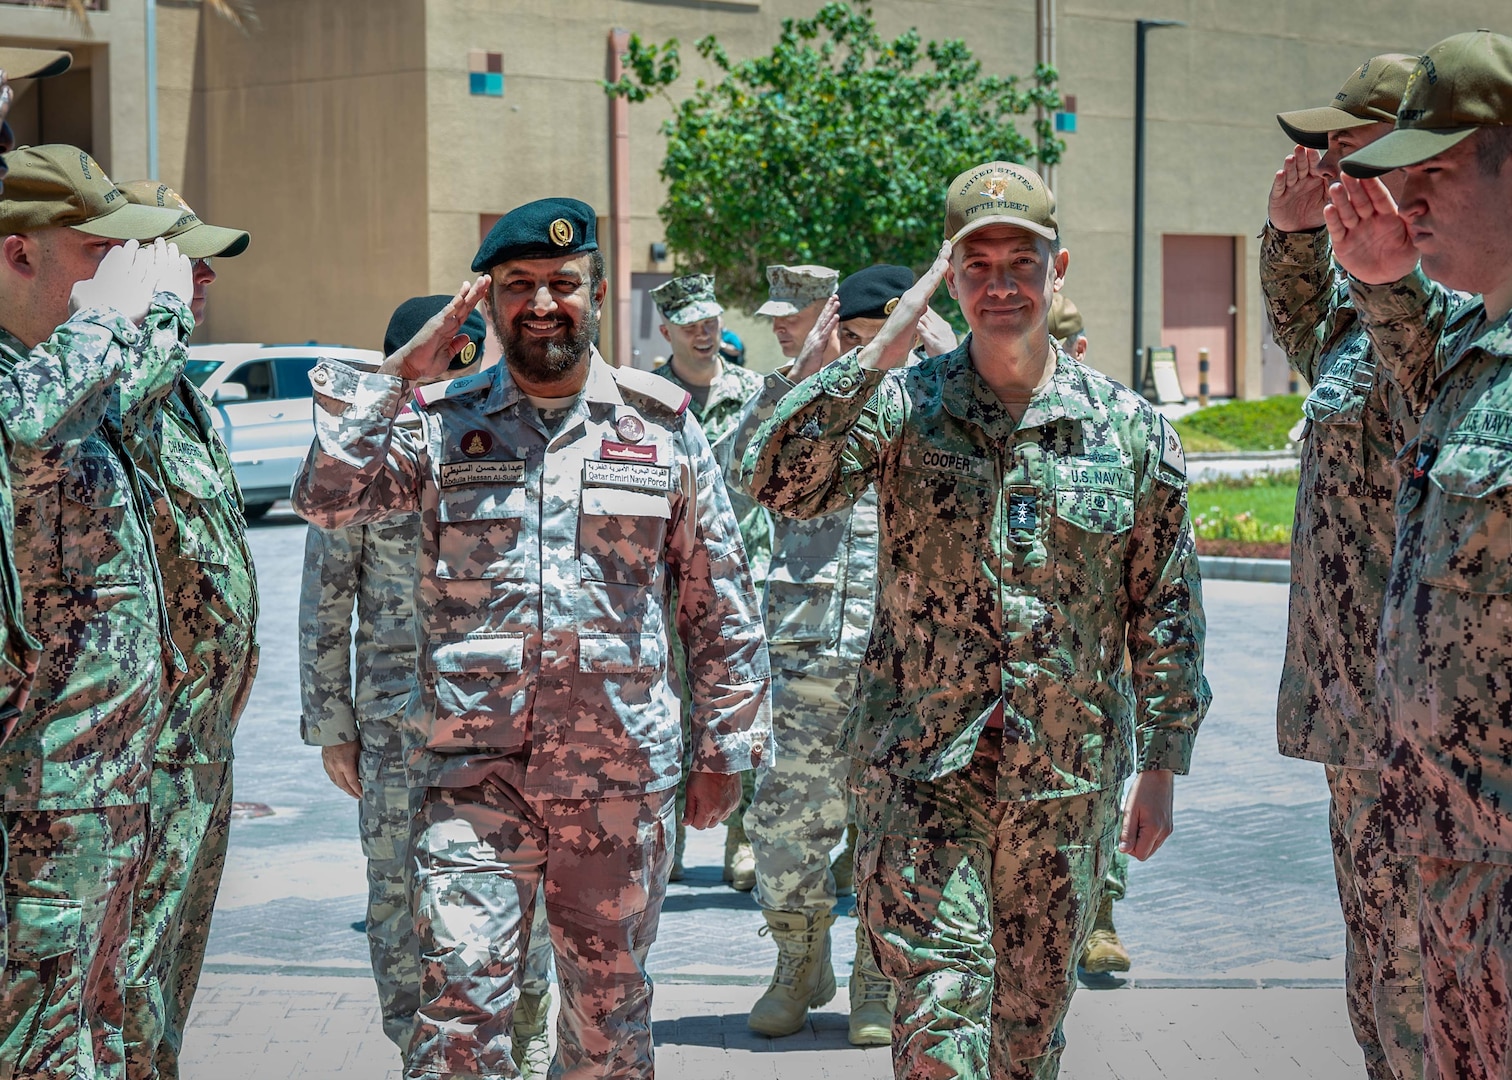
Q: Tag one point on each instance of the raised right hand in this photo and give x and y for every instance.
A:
(893, 343)
(1369, 238)
(430, 351)
(124, 281)
(1298, 193)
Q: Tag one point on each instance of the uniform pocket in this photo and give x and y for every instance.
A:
(622, 534)
(202, 501)
(478, 535)
(1467, 517)
(42, 975)
(1095, 498)
(621, 653)
(941, 522)
(92, 516)
(479, 676)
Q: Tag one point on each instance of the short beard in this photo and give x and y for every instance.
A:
(550, 360)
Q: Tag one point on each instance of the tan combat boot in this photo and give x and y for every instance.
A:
(804, 979)
(529, 1045)
(1104, 952)
(844, 866)
(871, 998)
(739, 859)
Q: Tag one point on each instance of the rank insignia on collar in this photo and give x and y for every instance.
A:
(477, 442)
(631, 428)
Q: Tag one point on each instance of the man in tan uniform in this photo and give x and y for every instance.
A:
(1446, 631)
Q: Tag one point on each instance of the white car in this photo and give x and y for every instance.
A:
(261, 405)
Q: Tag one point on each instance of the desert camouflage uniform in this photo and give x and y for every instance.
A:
(75, 771)
(1015, 560)
(1341, 554)
(545, 730)
(373, 568)
(818, 608)
(210, 585)
(1446, 787)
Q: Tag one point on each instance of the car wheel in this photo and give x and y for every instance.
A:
(254, 511)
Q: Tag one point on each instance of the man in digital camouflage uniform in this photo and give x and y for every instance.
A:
(561, 500)
(1446, 631)
(692, 324)
(19, 651)
(1033, 520)
(353, 710)
(210, 587)
(75, 769)
(1341, 553)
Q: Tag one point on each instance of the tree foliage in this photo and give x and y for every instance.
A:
(239, 13)
(835, 148)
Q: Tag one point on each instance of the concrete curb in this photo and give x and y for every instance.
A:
(1244, 455)
(1224, 567)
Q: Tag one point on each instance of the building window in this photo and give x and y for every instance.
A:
(485, 73)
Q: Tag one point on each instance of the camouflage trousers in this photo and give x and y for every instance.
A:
(188, 826)
(481, 853)
(1465, 923)
(801, 804)
(979, 910)
(68, 892)
(385, 816)
(1378, 892)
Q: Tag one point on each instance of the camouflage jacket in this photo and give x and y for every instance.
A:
(1014, 561)
(1446, 631)
(208, 578)
(371, 568)
(85, 559)
(719, 416)
(821, 588)
(546, 561)
(1344, 531)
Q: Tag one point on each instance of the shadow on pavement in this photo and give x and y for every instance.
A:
(824, 1031)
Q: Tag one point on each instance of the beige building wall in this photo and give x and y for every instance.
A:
(113, 48)
(357, 120)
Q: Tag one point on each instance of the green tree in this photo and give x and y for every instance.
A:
(835, 148)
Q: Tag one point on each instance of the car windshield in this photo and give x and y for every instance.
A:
(197, 371)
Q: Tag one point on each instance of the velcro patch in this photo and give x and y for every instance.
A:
(955, 461)
(1172, 456)
(457, 473)
(1023, 511)
(615, 451)
(625, 474)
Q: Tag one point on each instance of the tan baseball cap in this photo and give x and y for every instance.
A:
(999, 193)
(1461, 84)
(1371, 95)
(1065, 318)
(57, 186)
(195, 238)
(33, 63)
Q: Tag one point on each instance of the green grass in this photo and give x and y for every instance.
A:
(1241, 425)
(1245, 508)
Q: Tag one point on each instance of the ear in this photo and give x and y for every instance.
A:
(1062, 260)
(599, 293)
(18, 254)
(950, 277)
(663, 328)
(1080, 352)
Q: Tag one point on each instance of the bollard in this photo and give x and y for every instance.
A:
(1292, 385)
(1202, 378)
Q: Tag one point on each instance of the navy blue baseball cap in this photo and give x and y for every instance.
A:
(544, 229)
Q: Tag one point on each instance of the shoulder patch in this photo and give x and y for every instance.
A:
(664, 392)
(1172, 456)
(426, 396)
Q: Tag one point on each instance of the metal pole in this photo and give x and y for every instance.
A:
(1141, 27)
(619, 205)
(1202, 377)
(150, 59)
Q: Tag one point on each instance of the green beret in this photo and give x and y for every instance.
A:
(873, 293)
(544, 229)
(415, 312)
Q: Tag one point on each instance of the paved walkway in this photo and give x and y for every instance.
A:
(265, 1027)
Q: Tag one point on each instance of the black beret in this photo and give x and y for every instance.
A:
(873, 293)
(544, 229)
(415, 312)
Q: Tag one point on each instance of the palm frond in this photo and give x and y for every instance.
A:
(241, 14)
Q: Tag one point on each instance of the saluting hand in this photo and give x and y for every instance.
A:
(124, 281)
(890, 348)
(1369, 238)
(175, 273)
(814, 346)
(936, 337)
(430, 351)
(1299, 192)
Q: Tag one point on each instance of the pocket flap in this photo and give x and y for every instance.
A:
(482, 652)
(617, 502)
(481, 504)
(96, 481)
(42, 927)
(620, 652)
(194, 478)
(1471, 470)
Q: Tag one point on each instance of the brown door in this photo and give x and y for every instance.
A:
(1197, 280)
